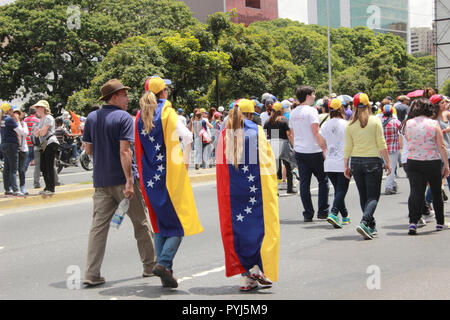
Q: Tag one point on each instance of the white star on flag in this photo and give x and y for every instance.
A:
(252, 200)
(160, 168)
(240, 217)
(157, 147)
(251, 178)
(245, 169)
(248, 210)
(151, 138)
(159, 157)
(150, 183)
(253, 189)
(157, 177)
(143, 132)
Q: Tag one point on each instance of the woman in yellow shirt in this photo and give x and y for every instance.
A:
(364, 141)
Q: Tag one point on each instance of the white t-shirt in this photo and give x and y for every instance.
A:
(300, 121)
(264, 117)
(333, 131)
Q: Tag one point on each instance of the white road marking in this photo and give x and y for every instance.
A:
(202, 274)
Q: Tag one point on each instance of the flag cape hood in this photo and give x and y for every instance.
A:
(164, 180)
(248, 206)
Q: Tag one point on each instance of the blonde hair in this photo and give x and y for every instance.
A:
(148, 105)
(361, 115)
(234, 137)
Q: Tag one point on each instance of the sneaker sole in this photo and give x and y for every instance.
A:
(334, 223)
(412, 232)
(364, 233)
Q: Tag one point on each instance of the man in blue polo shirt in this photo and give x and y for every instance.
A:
(108, 136)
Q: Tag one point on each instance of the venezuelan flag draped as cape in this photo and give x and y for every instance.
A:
(165, 183)
(248, 205)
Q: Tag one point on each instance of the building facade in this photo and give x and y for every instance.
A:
(248, 11)
(382, 16)
(422, 40)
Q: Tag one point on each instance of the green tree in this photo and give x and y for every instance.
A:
(52, 47)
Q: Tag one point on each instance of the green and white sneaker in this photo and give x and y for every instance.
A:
(346, 220)
(373, 231)
(334, 221)
(364, 231)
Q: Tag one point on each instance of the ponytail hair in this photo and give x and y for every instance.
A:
(148, 105)
(234, 137)
(362, 115)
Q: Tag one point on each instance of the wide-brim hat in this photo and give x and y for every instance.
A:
(111, 87)
(43, 104)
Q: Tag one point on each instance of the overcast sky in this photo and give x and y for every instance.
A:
(421, 11)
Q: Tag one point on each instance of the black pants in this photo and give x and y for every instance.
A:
(368, 174)
(48, 166)
(419, 174)
(340, 185)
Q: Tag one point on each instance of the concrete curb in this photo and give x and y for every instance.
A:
(77, 193)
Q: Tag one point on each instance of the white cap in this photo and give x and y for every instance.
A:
(221, 109)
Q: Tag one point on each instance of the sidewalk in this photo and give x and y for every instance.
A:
(82, 190)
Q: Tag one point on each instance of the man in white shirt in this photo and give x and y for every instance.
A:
(309, 148)
(181, 117)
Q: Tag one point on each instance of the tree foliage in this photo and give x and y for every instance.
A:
(133, 39)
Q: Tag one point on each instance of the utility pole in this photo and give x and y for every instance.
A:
(329, 49)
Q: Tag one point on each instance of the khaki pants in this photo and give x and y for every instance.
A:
(106, 201)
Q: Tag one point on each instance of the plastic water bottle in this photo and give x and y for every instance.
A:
(117, 219)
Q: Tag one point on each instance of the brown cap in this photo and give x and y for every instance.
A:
(110, 87)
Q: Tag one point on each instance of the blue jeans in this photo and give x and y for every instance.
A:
(30, 157)
(340, 184)
(368, 173)
(166, 248)
(309, 164)
(11, 158)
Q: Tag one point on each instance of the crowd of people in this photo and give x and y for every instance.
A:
(258, 149)
(33, 139)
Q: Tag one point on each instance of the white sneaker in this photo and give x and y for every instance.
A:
(429, 218)
(257, 274)
(422, 222)
(247, 284)
(282, 186)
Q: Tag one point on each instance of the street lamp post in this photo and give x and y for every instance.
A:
(329, 49)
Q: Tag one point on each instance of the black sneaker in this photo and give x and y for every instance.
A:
(322, 216)
(308, 220)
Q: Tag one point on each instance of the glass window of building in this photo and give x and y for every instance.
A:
(253, 4)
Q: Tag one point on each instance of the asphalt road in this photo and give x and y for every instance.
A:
(43, 250)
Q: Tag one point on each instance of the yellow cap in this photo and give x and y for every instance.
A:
(202, 110)
(335, 104)
(5, 107)
(277, 106)
(156, 84)
(246, 106)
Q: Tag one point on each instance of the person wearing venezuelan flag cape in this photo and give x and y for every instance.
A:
(164, 179)
(248, 200)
